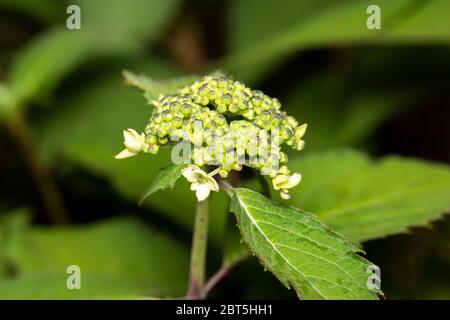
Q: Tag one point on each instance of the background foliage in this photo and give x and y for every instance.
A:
(375, 167)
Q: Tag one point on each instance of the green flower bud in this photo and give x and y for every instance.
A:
(249, 114)
(150, 139)
(243, 105)
(283, 157)
(234, 108)
(285, 133)
(257, 101)
(239, 85)
(153, 148)
(167, 116)
(227, 99)
(223, 173)
(175, 105)
(177, 122)
(163, 140)
(204, 101)
(157, 118)
(161, 132)
(204, 90)
(186, 109)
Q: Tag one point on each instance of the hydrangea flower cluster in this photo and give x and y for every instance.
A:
(229, 125)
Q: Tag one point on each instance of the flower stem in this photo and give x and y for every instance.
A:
(226, 186)
(198, 251)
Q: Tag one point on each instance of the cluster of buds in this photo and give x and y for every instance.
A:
(228, 124)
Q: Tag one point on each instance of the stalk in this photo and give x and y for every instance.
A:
(198, 251)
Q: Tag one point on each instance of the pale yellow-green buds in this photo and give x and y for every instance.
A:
(227, 124)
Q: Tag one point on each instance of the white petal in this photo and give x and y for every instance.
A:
(285, 195)
(194, 186)
(190, 173)
(275, 186)
(129, 135)
(202, 192)
(279, 181)
(212, 183)
(134, 132)
(133, 140)
(125, 154)
(294, 180)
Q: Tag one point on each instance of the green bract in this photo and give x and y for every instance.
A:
(229, 125)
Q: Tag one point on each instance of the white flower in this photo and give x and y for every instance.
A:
(202, 183)
(134, 143)
(283, 182)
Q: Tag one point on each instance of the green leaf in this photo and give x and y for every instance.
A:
(52, 56)
(261, 40)
(301, 251)
(427, 24)
(121, 256)
(144, 19)
(339, 114)
(268, 18)
(109, 28)
(153, 87)
(365, 199)
(140, 81)
(165, 180)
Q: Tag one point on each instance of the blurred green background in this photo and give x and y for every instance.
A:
(65, 200)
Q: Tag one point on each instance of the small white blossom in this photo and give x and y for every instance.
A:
(134, 143)
(283, 182)
(201, 182)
